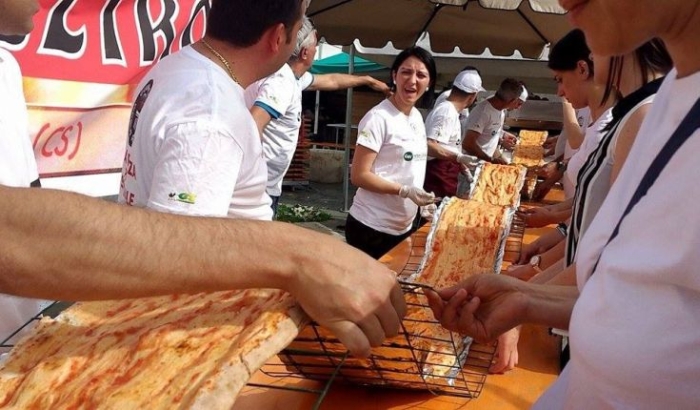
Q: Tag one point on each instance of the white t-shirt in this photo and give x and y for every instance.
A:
(402, 152)
(487, 121)
(442, 125)
(279, 95)
(17, 169)
(463, 115)
(635, 329)
(590, 141)
(193, 147)
(17, 166)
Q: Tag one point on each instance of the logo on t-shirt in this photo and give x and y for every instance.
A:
(408, 156)
(185, 197)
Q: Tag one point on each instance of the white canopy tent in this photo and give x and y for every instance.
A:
(503, 26)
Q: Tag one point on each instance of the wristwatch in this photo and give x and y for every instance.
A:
(561, 166)
(535, 263)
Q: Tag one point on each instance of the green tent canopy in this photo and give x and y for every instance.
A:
(339, 63)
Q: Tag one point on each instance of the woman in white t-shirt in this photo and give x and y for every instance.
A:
(390, 160)
(634, 317)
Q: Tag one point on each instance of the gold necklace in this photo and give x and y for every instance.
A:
(221, 58)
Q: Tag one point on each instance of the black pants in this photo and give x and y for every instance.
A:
(370, 241)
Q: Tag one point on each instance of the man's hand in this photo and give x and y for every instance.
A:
(508, 141)
(483, 306)
(351, 294)
(419, 196)
(548, 170)
(499, 160)
(380, 86)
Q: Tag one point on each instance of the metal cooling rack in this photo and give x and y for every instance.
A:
(423, 357)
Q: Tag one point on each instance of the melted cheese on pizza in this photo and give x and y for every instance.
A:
(466, 241)
(528, 155)
(185, 351)
(530, 137)
(499, 185)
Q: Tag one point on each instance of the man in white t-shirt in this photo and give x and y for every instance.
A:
(192, 146)
(17, 169)
(633, 320)
(464, 114)
(485, 124)
(444, 131)
(275, 103)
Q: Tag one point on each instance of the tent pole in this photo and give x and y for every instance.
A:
(317, 109)
(348, 130)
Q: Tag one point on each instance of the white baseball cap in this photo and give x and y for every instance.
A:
(523, 95)
(468, 81)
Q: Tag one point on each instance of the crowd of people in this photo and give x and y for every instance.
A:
(212, 132)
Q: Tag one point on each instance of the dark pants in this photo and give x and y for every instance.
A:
(275, 205)
(441, 177)
(370, 241)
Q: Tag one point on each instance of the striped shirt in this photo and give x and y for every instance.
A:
(593, 181)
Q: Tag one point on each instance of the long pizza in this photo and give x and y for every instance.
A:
(528, 155)
(530, 137)
(499, 184)
(176, 352)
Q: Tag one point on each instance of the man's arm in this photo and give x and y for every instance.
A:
(471, 146)
(331, 82)
(437, 150)
(261, 116)
(59, 245)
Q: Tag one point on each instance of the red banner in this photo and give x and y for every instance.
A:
(81, 64)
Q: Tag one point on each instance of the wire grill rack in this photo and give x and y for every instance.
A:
(424, 356)
(514, 242)
(51, 311)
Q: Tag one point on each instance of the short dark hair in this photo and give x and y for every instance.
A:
(426, 58)
(567, 52)
(243, 22)
(509, 89)
(471, 68)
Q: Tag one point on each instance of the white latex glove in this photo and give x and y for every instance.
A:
(417, 195)
(428, 211)
(467, 160)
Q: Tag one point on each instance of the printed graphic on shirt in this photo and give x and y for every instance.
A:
(410, 156)
(136, 110)
(184, 197)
